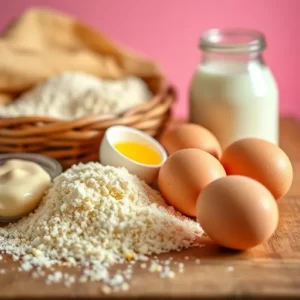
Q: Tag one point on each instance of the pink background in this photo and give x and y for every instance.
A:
(169, 30)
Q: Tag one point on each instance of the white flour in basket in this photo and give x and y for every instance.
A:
(96, 216)
(72, 95)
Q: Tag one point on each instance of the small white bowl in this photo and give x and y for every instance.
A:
(109, 155)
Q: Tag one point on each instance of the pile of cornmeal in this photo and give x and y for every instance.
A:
(97, 216)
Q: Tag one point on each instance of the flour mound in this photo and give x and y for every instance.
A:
(96, 216)
(73, 95)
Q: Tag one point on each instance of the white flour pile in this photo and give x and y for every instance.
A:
(96, 216)
(73, 95)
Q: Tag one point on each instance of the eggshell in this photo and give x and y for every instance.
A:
(191, 136)
(237, 212)
(262, 161)
(183, 176)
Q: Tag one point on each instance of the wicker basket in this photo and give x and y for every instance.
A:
(76, 141)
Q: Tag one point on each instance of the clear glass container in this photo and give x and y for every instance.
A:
(233, 93)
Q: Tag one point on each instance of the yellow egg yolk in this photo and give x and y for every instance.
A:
(138, 152)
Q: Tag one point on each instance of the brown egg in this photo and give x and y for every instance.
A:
(183, 176)
(262, 161)
(191, 136)
(237, 212)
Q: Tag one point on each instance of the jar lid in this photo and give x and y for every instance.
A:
(50, 165)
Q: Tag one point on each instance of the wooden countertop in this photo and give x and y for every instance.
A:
(269, 270)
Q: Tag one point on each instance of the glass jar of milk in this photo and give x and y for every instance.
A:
(233, 93)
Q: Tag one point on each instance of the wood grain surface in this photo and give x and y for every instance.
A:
(268, 271)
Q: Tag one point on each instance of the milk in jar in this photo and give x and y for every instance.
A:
(233, 93)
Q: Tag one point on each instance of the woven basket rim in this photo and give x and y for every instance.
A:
(73, 141)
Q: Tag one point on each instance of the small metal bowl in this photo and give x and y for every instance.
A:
(50, 165)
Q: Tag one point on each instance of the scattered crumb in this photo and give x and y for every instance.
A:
(83, 279)
(143, 258)
(106, 289)
(129, 256)
(181, 267)
(155, 267)
(125, 287)
(167, 274)
(36, 252)
(15, 258)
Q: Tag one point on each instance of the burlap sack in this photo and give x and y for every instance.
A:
(42, 43)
